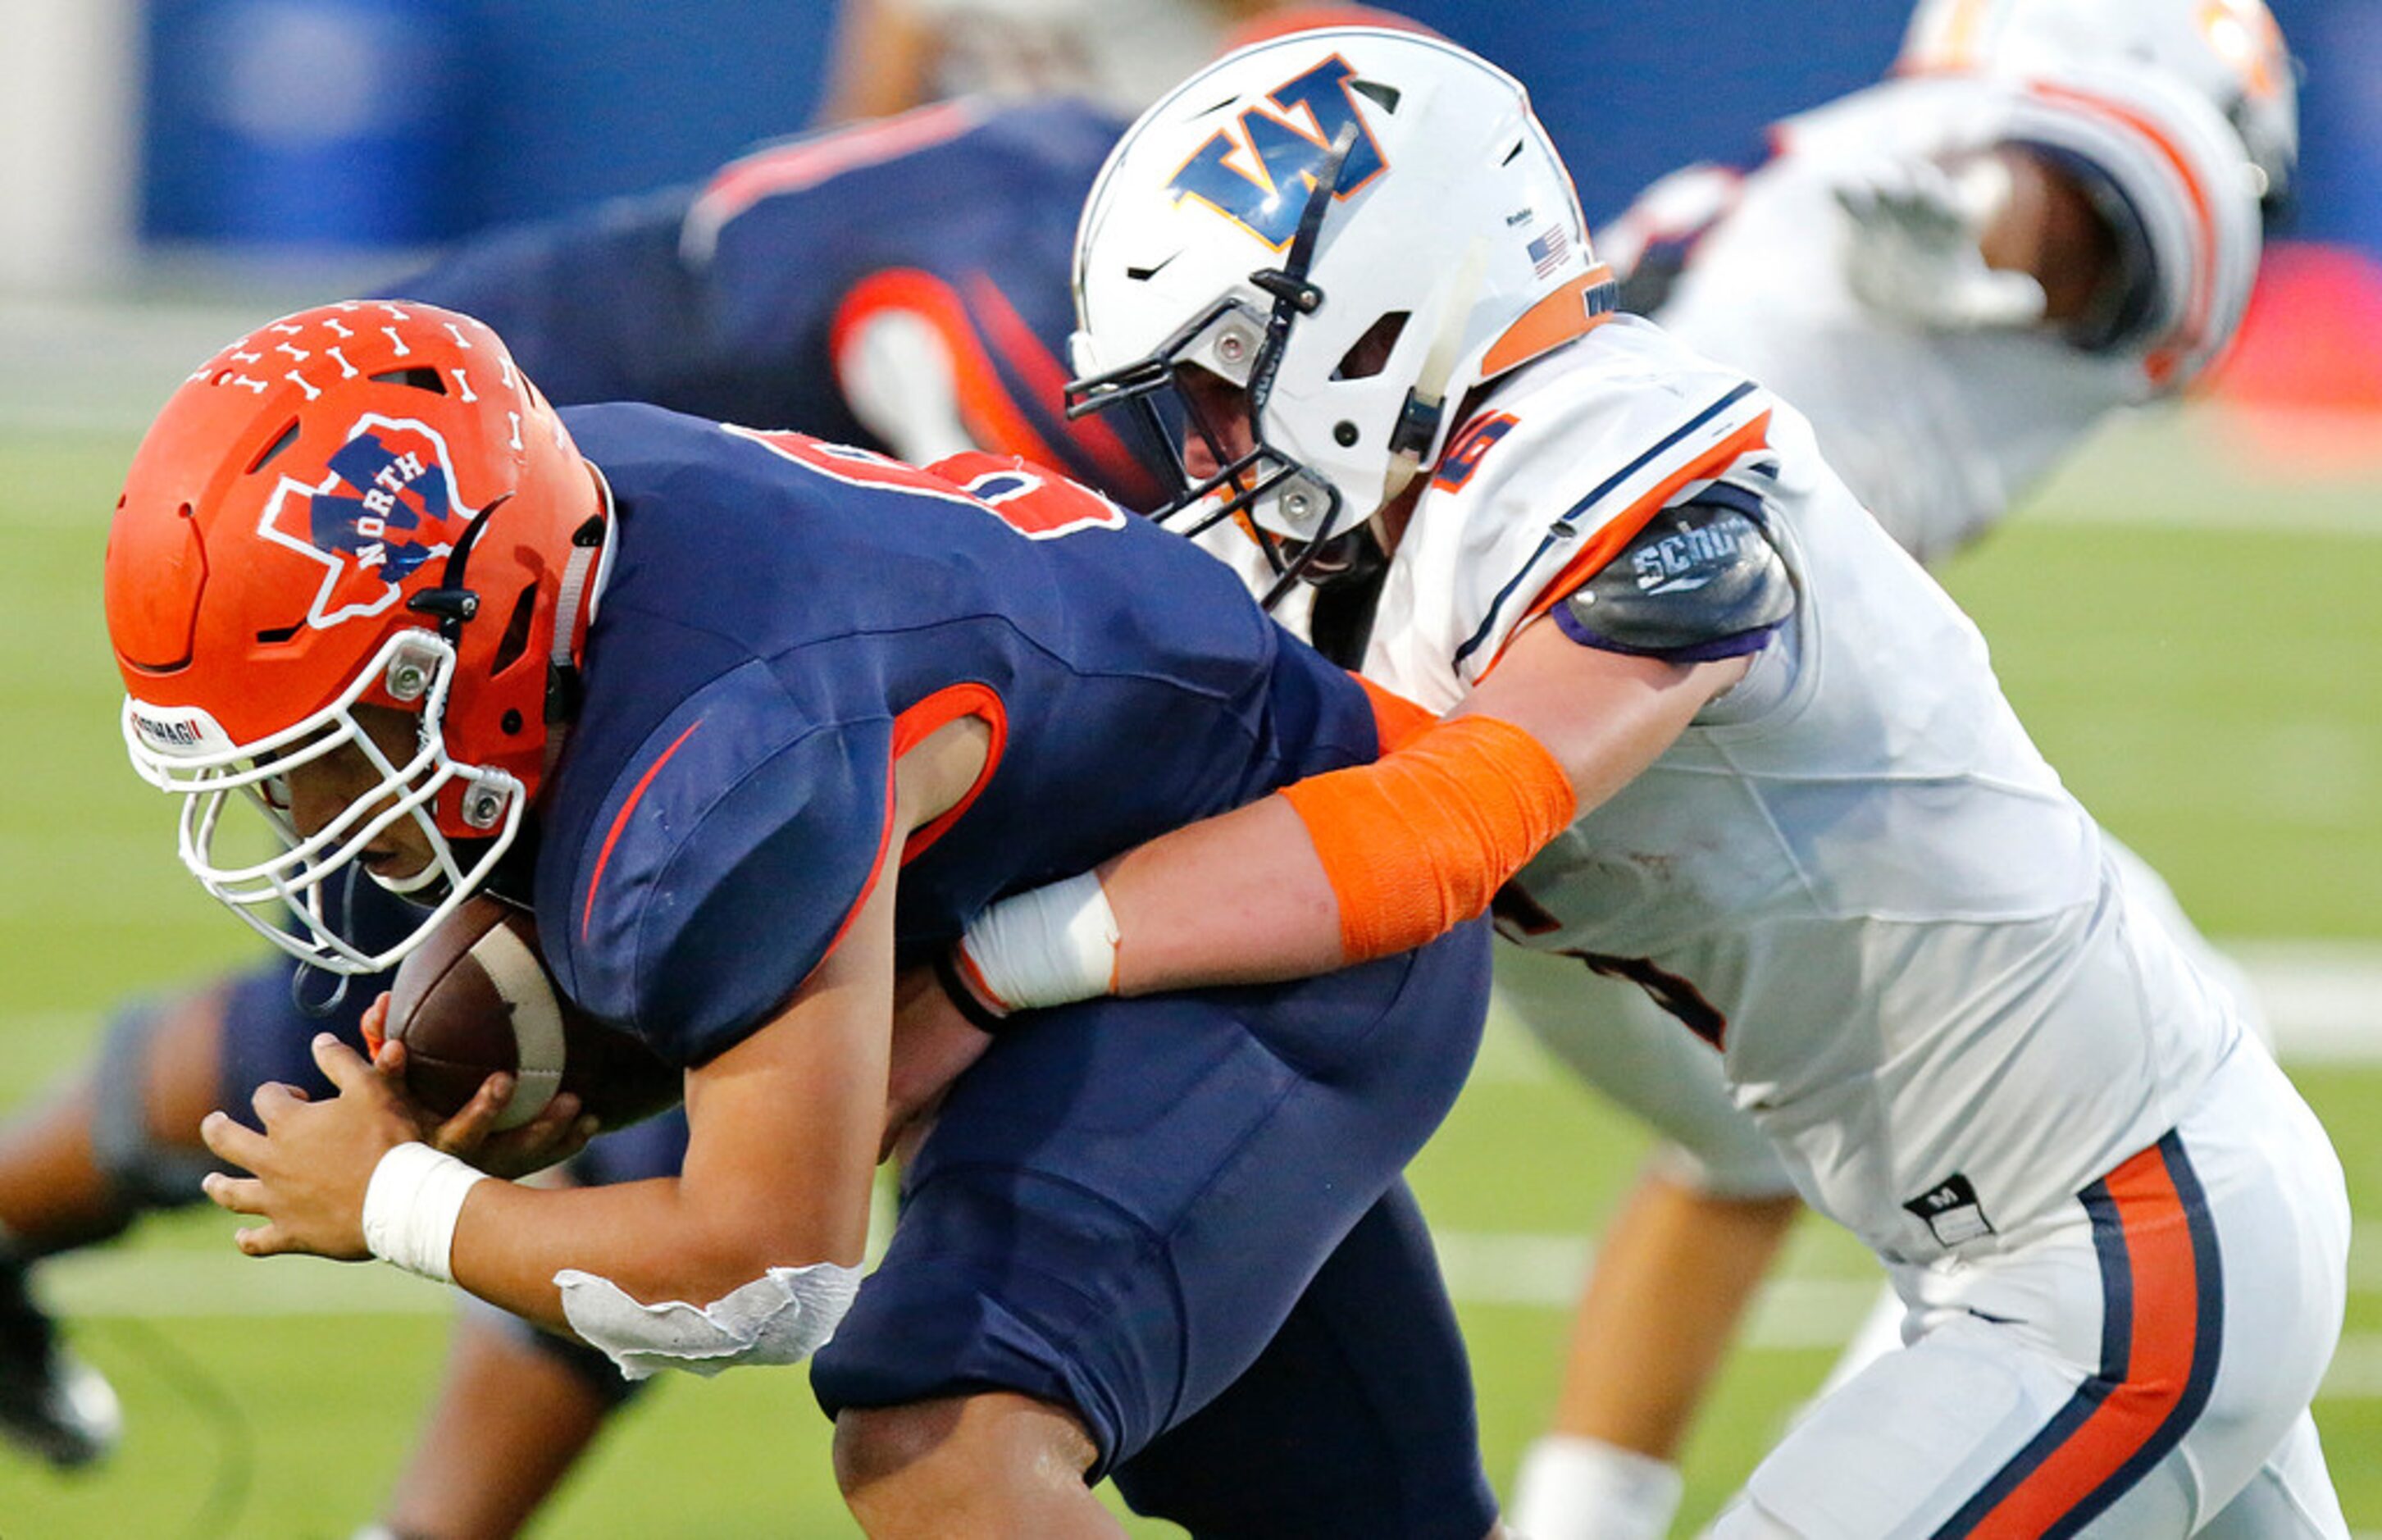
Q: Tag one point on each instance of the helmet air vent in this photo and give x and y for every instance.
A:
(419, 377)
(1374, 91)
(280, 442)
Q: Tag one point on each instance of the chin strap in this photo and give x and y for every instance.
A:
(316, 1009)
(584, 573)
(1426, 404)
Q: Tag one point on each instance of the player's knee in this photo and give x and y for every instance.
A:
(874, 1446)
(919, 1468)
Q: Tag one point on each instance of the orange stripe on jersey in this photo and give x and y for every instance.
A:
(1420, 842)
(2162, 362)
(1609, 541)
(1120, 473)
(1307, 18)
(884, 839)
(806, 162)
(2162, 1320)
(621, 822)
(993, 418)
(940, 709)
(911, 728)
(1549, 324)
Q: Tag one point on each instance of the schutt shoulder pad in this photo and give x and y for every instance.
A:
(1702, 580)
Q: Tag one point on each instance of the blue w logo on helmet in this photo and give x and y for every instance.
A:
(1269, 203)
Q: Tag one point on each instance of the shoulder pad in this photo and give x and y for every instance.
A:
(1702, 580)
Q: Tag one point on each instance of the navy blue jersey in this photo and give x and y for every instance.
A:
(783, 616)
(725, 300)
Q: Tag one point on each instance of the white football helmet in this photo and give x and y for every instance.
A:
(1349, 227)
(2230, 52)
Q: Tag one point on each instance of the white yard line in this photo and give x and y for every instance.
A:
(1540, 1272)
(2324, 998)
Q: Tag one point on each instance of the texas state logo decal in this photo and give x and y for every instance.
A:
(385, 505)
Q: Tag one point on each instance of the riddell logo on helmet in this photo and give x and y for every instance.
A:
(1286, 153)
(177, 731)
(387, 506)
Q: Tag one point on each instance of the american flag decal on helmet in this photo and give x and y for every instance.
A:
(1547, 252)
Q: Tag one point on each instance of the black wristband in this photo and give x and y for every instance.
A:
(979, 1015)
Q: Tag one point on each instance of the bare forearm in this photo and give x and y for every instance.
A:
(1238, 899)
(1356, 863)
(653, 1240)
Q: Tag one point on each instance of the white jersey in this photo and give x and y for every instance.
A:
(1940, 432)
(1854, 871)
(1124, 54)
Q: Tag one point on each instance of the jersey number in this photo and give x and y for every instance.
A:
(1519, 916)
(1669, 991)
(1037, 504)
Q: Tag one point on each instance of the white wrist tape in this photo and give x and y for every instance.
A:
(410, 1207)
(783, 1316)
(1046, 947)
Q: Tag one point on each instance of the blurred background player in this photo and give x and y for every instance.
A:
(893, 55)
(1959, 275)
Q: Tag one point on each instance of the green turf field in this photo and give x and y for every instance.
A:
(2210, 682)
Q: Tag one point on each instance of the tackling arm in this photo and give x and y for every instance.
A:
(1363, 862)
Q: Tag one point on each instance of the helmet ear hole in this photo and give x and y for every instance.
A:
(515, 641)
(1369, 354)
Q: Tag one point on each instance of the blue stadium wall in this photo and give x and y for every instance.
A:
(399, 122)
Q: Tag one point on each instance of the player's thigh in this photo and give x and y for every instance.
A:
(2133, 1364)
(1647, 1062)
(1123, 1201)
(2279, 1215)
(1344, 1425)
(1912, 1443)
(2291, 1496)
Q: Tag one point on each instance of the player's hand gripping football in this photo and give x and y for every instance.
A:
(310, 1166)
(560, 1129)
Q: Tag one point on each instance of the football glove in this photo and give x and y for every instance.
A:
(1913, 251)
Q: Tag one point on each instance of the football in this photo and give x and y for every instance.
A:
(475, 998)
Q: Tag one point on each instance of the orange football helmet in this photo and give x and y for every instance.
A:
(359, 504)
